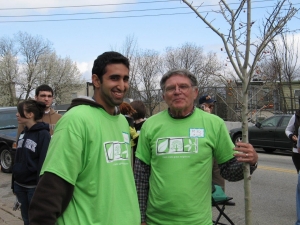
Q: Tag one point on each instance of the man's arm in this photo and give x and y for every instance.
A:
(51, 198)
(232, 170)
(141, 176)
(290, 128)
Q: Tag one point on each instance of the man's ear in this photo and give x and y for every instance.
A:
(95, 80)
(163, 96)
(196, 93)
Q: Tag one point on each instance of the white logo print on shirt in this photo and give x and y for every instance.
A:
(30, 144)
(177, 145)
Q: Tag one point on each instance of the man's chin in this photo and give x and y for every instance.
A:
(118, 101)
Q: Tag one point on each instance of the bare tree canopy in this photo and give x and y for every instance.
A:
(193, 58)
(149, 66)
(28, 61)
(31, 49)
(8, 71)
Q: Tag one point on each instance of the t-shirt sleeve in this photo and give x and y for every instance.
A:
(143, 151)
(64, 157)
(224, 145)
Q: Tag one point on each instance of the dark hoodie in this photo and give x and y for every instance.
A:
(30, 154)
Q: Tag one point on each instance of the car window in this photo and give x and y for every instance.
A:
(270, 122)
(61, 111)
(8, 119)
(285, 121)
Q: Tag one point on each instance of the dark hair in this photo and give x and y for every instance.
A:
(37, 108)
(105, 59)
(126, 109)
(43, 87)
(140, 109)
(181, 72)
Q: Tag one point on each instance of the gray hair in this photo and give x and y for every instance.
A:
(181, 72)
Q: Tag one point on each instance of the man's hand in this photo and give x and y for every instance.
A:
(295, 138)
(245, 153)
(144, 223)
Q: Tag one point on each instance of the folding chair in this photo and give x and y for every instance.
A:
(219, 200)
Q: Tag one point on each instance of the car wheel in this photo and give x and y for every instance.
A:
(5, 159)
(269, 150)
(237, 138)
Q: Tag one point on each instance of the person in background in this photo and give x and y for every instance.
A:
(174, 157)
(207, 104)
(298, 198)
(291, 132)
(298, 187)
(127, 110)
(44, 93)
(140, 115)
(87, 175)
(31, 151)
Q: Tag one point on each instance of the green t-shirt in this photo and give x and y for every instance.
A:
(180, 153)
(91, 150)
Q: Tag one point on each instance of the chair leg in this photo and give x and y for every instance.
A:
(221, 212)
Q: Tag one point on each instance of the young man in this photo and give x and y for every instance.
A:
(175, 156)
(207, 104)
(44, 93)
(87, 176)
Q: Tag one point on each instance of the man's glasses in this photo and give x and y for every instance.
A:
(44, 96)
(183, 88)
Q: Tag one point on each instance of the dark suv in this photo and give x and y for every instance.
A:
(8, 133)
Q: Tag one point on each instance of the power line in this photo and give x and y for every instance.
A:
(105, 12)
(117, 11)
(117, 4)
(113, 17)
(83, 6)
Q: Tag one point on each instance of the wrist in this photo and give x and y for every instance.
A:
(254, 165)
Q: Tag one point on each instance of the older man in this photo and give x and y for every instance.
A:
(175, 156)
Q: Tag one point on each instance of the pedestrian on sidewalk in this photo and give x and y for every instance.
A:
(31, 151)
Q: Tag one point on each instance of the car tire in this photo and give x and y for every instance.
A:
(237, 138)
(269, 150)
(6, 159)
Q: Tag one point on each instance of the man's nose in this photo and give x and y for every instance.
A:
(122, 85)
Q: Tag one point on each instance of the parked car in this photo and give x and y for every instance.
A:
(61, 111)
(8, 133)
(268, 134)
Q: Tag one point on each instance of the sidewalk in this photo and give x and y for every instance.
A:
(10, 217)
(7, 199)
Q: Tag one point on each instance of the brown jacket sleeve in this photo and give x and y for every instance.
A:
(50, 199)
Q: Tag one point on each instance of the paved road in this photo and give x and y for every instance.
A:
(273, 194)
(7, 215)
(273, 191)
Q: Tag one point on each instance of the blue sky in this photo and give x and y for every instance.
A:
(84, 40)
